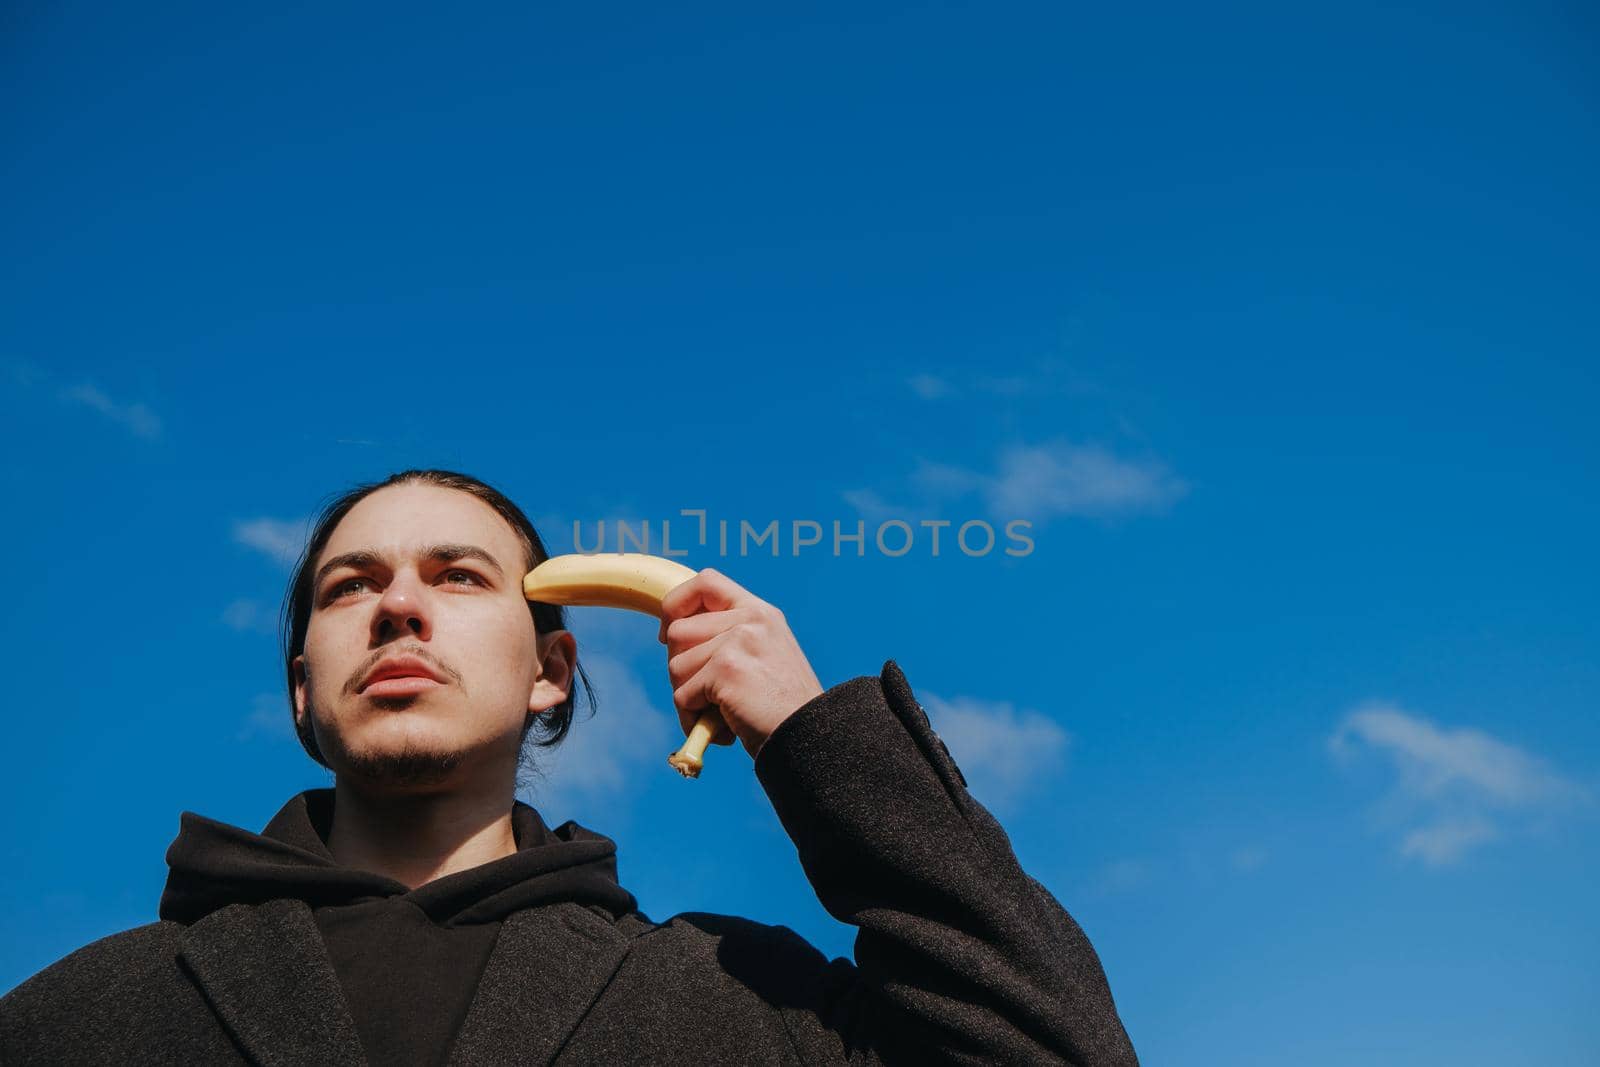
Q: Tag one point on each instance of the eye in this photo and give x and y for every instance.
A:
(339, 590)
(450, 575)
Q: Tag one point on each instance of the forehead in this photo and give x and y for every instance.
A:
(402, 519)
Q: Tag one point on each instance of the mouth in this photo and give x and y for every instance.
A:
(401, 676)
(410, 685)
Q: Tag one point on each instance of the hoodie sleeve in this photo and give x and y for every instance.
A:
(961, 956)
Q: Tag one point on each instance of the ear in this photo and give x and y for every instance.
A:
(558, 653)
(301, 690)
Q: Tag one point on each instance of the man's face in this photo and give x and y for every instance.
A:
(433, 575)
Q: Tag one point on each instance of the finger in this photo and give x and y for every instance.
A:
(708, 590)
(693, 698)
(673, 631)
(694, 629)
(687, 661)
(723, 736)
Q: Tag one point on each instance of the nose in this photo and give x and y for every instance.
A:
(402, 608)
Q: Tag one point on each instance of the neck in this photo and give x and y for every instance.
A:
(415, 839)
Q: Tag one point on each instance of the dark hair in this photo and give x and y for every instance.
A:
(551, 726)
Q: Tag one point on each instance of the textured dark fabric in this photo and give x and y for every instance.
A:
(961, 957)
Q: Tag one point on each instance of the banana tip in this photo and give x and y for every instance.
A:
(687, 766)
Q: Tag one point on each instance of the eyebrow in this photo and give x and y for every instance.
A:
(445, 553)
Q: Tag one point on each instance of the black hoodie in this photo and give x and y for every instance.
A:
(408, 960)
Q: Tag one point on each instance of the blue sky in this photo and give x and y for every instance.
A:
(1277, 327)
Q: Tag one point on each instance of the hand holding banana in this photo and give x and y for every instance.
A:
(735, 667)
(729, 649)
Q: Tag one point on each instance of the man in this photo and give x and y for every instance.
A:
(417, 913)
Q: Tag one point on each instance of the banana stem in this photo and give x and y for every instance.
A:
(688, 760)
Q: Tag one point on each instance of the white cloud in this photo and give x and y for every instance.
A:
(249, 616)
(1061, 478)
(1447, 841)
(1434, 761)
(1462, 785)
(279, 539)
(1003, 752)
(136, 418)
(1036, 482)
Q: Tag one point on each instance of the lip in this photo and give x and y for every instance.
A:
(402, 674)
(410, 685)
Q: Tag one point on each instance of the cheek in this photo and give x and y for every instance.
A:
(516, 652)
(328, 659)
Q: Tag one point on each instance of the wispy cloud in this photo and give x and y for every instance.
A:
(21, 372)
(1006, 385)
(1003, 752)
(1060, 478)
(929, 386)
(135, 418)
(1247, 858)
(1448, 840)
(871, 506)
(268, 717)
(1120, 876)
(1049, 376)
(280, 539)
(1038, 482)
(250, 616)
(1456, 788)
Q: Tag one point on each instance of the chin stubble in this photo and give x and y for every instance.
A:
(412, 765)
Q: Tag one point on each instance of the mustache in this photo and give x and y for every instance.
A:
(354, 681)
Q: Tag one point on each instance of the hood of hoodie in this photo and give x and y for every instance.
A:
(213, 864)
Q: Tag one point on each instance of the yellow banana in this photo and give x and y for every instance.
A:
(631, 580)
